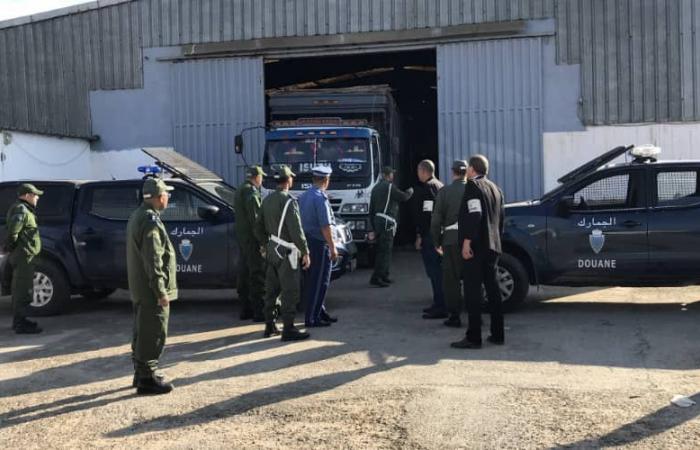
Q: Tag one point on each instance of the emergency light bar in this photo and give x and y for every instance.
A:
(645, 151)
(319, 122)
(150, 170)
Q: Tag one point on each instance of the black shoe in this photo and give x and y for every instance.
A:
(23, 328)
(387, 280)
(328, 318)
(271, 330)
(24, 322)
(319, 324)
(293, 334)
(246, 314)
(134, 382)
(453, 322)
(153, 386)
(377, 282)
(465, 343)
(429, 309)
(495, 341)
(435, 314)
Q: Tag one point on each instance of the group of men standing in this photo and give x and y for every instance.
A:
(458, 232)
(278, 234)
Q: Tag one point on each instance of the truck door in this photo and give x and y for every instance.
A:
(99, 230)
(202, 245)
(602, 237)
(674, 223)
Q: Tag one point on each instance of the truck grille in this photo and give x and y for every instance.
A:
(335, 204)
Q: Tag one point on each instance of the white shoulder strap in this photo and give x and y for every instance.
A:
(284, 215)
(388, 197)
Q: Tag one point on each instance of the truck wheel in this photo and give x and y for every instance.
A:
(513, 281)
(97, 294)
(51, 291)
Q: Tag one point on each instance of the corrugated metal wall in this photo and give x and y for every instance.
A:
(638, 58)
(47, 68)
(630, 56)
(212, 101)
(498, 113)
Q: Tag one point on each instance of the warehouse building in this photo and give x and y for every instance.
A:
(539, 86)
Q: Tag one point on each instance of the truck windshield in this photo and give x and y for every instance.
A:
(348, 157)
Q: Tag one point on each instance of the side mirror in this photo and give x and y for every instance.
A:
(238, 144)
(207, 212)
(566, 203)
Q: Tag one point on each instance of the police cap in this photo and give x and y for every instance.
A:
(153, 187)
(321, 171)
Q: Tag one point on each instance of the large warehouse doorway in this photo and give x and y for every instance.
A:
(411, 76)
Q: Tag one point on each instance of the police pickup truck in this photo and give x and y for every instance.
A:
(83, 225)
(635, 223)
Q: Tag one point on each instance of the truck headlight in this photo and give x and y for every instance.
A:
(355, 208)
(339, 234)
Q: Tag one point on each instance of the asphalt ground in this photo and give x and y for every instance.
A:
(581, 368)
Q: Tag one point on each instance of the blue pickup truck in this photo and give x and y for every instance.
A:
(631, 223)
(83, 224)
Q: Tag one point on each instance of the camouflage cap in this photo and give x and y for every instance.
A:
(282, 173)
(27, 188)
(153, 187)
(387, 170)
(254, 171)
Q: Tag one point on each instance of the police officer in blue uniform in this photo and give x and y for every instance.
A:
(317, 221)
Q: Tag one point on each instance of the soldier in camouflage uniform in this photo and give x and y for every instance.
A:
(151, 267)
(24, 244)
(279, 229)
(251, 267)
(444, 228)
(384, 215)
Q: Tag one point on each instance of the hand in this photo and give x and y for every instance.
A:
(419, 242)
(334, 253)
(467, 253)
(371, 236)
(305, 262)
(439, 251)
(163, 301)
(263, 251)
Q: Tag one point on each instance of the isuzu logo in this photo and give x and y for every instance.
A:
(597, 240)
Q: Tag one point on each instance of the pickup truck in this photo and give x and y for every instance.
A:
(635, 223)
(83, 227)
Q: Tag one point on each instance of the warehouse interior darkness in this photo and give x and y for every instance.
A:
(412, 77)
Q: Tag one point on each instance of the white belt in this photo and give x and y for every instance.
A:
(294, 253)
(390, 221)
(386, 217)
(454, 226)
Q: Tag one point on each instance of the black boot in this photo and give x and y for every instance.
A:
(291, 333)
(327, 317)
(271, 330)
(152, 386)
(246, 314)
(453, 321)
(24, 326)
(387, 280)
(378, 282)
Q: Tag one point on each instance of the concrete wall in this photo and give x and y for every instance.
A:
(25, 156)
(564, 151)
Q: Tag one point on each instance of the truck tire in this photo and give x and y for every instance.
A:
(97, 294)
(51, 290)
(514, 281)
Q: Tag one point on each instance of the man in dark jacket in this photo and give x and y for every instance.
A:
(480, 230)
(423, 205)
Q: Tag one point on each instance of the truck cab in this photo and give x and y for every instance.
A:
(353, 152)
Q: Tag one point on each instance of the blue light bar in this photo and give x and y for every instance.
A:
(150, 170)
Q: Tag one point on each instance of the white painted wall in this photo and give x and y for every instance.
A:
(564, 151)
(25, 156)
